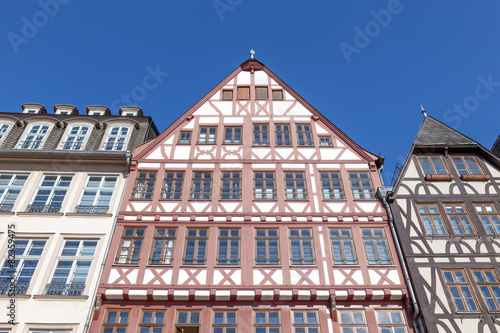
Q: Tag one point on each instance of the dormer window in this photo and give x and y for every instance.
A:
(3, 130)
(75, 137)
(63, 112)
(31, 111)
(35, 136)
(96, 113)
(129, 114)
(117, 138)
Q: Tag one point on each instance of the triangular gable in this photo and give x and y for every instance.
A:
(296, 107)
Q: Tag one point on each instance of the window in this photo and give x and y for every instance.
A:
(225, 321)
(267, 321)
(261, 93)
(96, 113)
(232, 135)
(325, 141)
(72, 268)
(295, 186)
(10, 187)
(27, 255)
(117, 138)
(331, 186)
(116, 321)
(301, 245)
(196, 246)
(229, 247)
(3, 129)
(343, 247)
(202, 185)
(304, 135)
(361, 185)
(459, 218)
(163, 246)
(130, 246)
(172, 185)
(243, 92)
(467, 165)
(97, 195)
(188, 321)
(432, 219)
(50, 194)
(391, 321)
(283, 136)
(264, 185)
(260, 134)
(489, 216)
(460, 290)
(75, 137)
(353, 321)
(144, 185)
(305, 322)
(267, 247)
(487, 282)
(207, 135)
(34, 137)
(230, 185)
(278, 95)
(185, 137)
(432, 165)
(227, 95)
(377, 249)
(152, 321)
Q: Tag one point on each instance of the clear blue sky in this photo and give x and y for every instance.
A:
(366, 65)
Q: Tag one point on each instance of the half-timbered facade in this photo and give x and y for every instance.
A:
(62, 177)
(252, 213)
(445, 204)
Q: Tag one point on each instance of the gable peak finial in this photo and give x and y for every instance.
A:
(252, 53)
(423, 111)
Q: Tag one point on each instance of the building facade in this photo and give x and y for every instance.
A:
(252, 213)
(445, 204)
(61, 181)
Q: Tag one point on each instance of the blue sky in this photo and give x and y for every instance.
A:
(366, 65)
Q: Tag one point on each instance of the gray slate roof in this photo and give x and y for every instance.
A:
(435, 133)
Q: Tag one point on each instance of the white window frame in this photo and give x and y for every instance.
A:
(118, 140)
(35, 140)
(75, 141)
(22, 258)
(8, 190)
(55, 190)
(4, 129)
(98, 206)
(71, 288)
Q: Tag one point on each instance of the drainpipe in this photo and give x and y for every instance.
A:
(383, 193)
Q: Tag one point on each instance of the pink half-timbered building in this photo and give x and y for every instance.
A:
(252, 212)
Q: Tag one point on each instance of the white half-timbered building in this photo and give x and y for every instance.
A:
(252, 212)
(445, 204)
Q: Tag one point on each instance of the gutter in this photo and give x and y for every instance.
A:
(383, 193)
